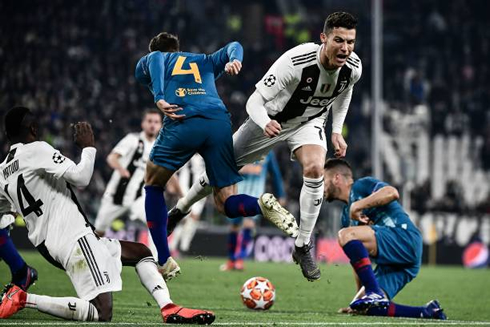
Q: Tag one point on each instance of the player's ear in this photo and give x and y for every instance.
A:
(33, 129)
(323, 38)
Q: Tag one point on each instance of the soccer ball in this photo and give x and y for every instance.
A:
(258, 293)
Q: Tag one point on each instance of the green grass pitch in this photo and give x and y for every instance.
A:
(464, 294)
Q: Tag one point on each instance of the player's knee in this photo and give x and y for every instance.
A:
(220, 197)
(105, 311)
(313, 170)
(345, 235)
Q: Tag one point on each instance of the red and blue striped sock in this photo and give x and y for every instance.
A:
(156, 218)
(242, 205)
(9, 253)
(398, 310)
(359, 259)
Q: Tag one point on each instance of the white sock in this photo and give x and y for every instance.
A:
(153, 281)
(190, 228)
(152, 247)
(70, 308)
(198, 191)
(310, 203)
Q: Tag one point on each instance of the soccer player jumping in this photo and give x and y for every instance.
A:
(197, 121)
(376, 227)
(291, 103)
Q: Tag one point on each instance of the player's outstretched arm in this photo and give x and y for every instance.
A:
(381, 197)
(79, 175)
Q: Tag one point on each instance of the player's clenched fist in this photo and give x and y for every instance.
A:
(83, 135)
(233, 68)
(272, 129)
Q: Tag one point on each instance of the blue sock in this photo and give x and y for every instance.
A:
(397, 310)
(242, 205)
(156, 218)
(232, 242)
(247, 238)
(9, 253)
(359, 259)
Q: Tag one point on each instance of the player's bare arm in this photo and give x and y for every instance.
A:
(169, 110)
(381, 197)
(113, 162)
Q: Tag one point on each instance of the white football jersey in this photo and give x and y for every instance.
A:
(31, 181)
(298, 88)
(134, 149)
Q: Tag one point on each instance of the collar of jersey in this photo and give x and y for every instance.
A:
(16, 145)
(319, 63)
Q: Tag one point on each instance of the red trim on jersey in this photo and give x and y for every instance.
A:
(150, 224)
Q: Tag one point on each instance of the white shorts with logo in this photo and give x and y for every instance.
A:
(250, 143)
(94, 266)
(109, 211)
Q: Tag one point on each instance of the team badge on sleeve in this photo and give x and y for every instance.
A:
(58, 158)
(270, 80)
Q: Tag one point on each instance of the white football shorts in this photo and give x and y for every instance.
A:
(250, 143)
(94, 266)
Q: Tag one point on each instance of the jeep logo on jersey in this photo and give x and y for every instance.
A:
(180, 92)
(316, 101)
(270, 80)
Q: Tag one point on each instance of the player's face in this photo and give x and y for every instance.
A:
(151, 124)
(339, 44)
(331, 191)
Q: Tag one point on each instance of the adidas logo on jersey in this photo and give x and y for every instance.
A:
(306, 88)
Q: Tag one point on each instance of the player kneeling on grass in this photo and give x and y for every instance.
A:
(376, 227)
(36, 180)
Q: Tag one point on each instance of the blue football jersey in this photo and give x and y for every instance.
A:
(390, 215)
(188, 79)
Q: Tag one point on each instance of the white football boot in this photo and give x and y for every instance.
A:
(276, 214)
(169, 270)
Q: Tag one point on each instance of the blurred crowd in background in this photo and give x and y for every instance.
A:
(74, 61)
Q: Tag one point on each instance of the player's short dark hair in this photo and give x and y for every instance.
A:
(339, 19)
(339, 165)
(151, 111)
(164, 42)
(16, 122)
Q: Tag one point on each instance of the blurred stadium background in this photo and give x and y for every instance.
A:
(73, 61)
